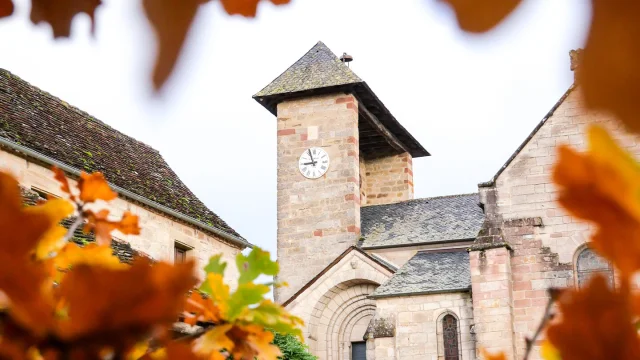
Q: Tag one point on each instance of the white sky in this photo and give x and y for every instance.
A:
(470, 100)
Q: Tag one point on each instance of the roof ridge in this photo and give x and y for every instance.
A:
(424, 198)
(76, 109)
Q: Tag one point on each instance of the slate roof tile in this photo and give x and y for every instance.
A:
(35, 119)
(429, 272)
(436, 219)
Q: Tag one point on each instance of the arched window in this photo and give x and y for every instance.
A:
(450, 337)
(588, 264)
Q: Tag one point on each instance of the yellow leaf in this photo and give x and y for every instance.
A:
(92, 254)
(549, 352)
(219, 292)
(214, 341)
(489, 356)
(94, 187)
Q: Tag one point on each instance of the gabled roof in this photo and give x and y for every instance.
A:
(526, 141)
(421, 221)
(319, 72)
(429, 272)
(32, 119)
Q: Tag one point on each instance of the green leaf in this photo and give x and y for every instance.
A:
(216, 265)
(271, 315)
(246, 295)
(257, 263)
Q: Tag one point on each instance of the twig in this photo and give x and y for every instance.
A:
(553, 296)
(72, 229)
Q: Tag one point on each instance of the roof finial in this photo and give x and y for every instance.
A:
(576, 60)
(346, 58)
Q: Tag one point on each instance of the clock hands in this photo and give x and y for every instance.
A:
(313, 162)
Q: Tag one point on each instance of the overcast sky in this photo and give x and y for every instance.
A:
(470, 100)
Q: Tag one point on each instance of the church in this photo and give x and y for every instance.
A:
(377, 274)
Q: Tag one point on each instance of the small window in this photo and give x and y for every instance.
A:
(43, 193)
(450, 337)
(180, 253)
(359, 350)
(588, 264)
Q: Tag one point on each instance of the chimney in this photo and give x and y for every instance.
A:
(576, 59)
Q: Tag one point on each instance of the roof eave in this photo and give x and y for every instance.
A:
(417, 293)
(391, 246)
(237, 241)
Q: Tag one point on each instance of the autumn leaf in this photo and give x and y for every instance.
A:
(53, 239)
(104, 302)
(102, 226)
(270, 315)
(201, 309)
(91, 254)
(217, 291)
(548, 351)
(247, 8)
(171, 20)
(603, 186)
(64, 182)
(595, 323)
(257, 263)
(610, 69)
(60, 13)
(489, 356)
(214, 341)
(252, 341)
(247, 294)
(94, 187)
(6, 8)
(216, 265)
(481, 16)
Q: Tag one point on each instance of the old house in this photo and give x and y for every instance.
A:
(38, 131)
(377, 274)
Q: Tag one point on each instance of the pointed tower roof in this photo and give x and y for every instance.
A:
(319, 72)
(318, 68)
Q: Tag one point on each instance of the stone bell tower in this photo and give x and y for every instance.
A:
(321, 104)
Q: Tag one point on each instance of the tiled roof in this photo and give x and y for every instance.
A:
(437, 219)
(41, 122)
(429, 272)
(318, 68)
(320, 71)
(121, 249)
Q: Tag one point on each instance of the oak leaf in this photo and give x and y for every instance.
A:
(171, 20)
(595, 323)
(490, 356)
(60, 13)
(481, 16)
(52, 240)
(609, 73)
(252, 341)
(201, 309)
(102, 226)
(94, 187)
(247, 8)
(60, 176)
(91, 254)
(256, 263)
(6, 8)
(110, 305)
(603, 186)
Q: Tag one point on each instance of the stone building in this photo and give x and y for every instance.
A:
(377, 274)
(38, 131)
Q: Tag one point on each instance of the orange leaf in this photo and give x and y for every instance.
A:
(125, 304)
(603, 186)
(52, 240)
(60, 13)
(595, 324)
(103, 227)
(171, 20)
(246, 8)
(201, 309)
(64, 182)
(489, 356)
(94, 187)
(610, 70)
(251, 341)
(481, 16)
(6, 8)
(91, 254)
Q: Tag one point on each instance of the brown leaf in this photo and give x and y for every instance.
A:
(610, 71)
(60, 13)
(116, 306)
(95, 187)
(102, 227)
(171, 20)
(595, 323)
(481, 16)
(6, 8)
(246, 8)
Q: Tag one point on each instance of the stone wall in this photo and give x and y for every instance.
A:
(522, 205)
(317, 219)
(159, 232)
(418, 322)
(389, 179)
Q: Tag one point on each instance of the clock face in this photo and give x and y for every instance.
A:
(313, 163)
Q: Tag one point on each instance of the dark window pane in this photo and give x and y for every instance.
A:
(358, 351)
(180, 255)
(450, 337)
